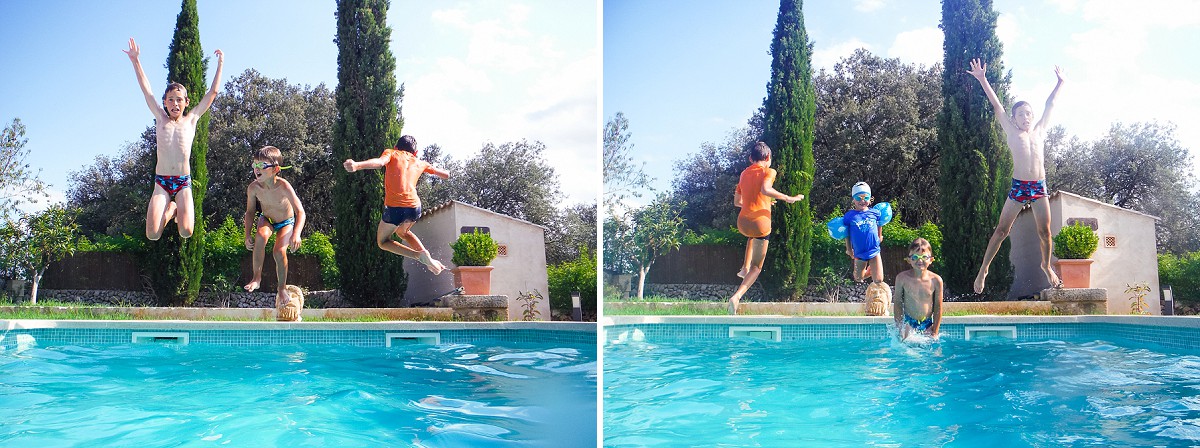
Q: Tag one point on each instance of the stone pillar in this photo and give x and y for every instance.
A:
(1070, 301)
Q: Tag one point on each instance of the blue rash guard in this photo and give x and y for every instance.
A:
(863, 230)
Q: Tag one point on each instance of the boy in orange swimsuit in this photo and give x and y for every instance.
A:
(754, 195)
(402, 206)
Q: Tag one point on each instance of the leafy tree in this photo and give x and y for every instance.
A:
(367, 121)
(513, 178)
(976, 167)
(876, 122)
(17, 182)
(657, 229)
(179, 261)
(618, 244)
(36, 240)
(110, 194)
(622, 178)
(571, 233)
(1140, 166)
(708, 178)
(255, 111)
(790, 105)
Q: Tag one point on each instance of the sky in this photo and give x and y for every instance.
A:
(474, 72)
(685, 72)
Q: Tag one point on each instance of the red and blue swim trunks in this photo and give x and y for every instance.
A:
(172, 184)
(1027, 191)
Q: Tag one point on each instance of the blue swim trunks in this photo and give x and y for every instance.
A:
(399, 215)
(921, 325)
(1027, 191)
(278, 225)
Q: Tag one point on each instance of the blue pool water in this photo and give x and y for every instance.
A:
(880, 392)
(480, 394)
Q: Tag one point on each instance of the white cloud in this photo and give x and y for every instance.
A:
(922, 46)
(1007, 31)
(506, 83)
(869, 5)
(827, 57)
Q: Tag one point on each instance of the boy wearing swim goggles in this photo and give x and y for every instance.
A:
(272, 208)
(918, 303)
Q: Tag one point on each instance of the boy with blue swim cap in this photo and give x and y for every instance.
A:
(864, 231)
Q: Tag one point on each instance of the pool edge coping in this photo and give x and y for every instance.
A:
(32, 324)
(1164, 321)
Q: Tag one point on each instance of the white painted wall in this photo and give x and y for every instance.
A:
(522, 270)
(1133, 260)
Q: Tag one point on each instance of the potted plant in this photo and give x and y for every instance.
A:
(1074, 246)
(473, 255)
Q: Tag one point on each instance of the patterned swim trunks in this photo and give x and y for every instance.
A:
(1027, 191)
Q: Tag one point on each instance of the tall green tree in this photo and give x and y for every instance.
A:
(790, 107)
(36, 240)
(976, 165)
(877, 122)
(179, 262)
(368, 121)
(17, 181)
(622, 176)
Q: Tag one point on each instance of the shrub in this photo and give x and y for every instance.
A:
(223, 251)
(106, 243)
(575, 275)
(321, 246)
(1182, 273)
(1075, 242)
(728, 237)
(474, 249)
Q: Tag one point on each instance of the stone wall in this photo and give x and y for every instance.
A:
(258, 299)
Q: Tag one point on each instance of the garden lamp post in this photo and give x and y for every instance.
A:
(1168, 301)
(576, 309)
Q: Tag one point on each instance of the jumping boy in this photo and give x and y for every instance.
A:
(864, 233)
(1026, 141)
(174, 130)
(272, 207)
(402, 206)
(918, 304)
(754, 195)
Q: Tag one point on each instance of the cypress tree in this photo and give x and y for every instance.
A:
(367, 122)
(976, 164)
(790, 108)
(177, 264)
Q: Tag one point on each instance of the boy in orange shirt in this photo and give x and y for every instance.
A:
(402, 206)
(754, 195)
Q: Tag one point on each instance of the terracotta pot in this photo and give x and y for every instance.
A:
(474, 280)
(1075, 273)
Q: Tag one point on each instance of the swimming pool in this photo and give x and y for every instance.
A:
(268, 384)
(1068, 381)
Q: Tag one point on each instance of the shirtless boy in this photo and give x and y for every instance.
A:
(172, 197)
(272, 207)
(1026, 140)
(918, 302)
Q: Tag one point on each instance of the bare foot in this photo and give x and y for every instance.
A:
(434, 266)
(733, 305)
(1055, 282)
(252, 286)
(169, 213)
(742, 273)
(979, 280)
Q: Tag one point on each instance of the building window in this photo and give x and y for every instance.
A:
(472, 229)
(1110, 241)
(1090, 222)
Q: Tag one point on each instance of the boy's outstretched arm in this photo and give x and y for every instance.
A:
(370, 164)
(979, 71)
(211, 96)
(768, 190)
(1045, 121)
(144, 83)
(444, 174)
(298, 209)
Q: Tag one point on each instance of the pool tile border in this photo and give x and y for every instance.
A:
(1177, 333)
(373, 334)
